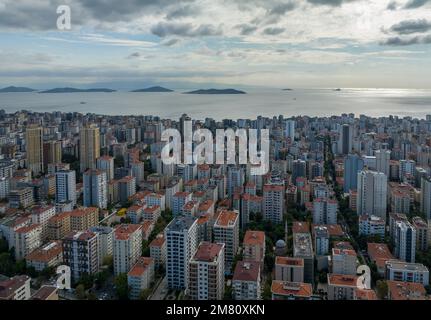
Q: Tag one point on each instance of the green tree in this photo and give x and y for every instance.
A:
(145, 248)
(119, 161)
(6, 264)
(227, 293)
(122, 286)
(86, 280)
(381, 289)
(20, 267)
(323, 277)
(80, 292)
(4, 247)
(48, 272)
(91, 296)
(108, 261)
(267, 294)
(145, 294)
(100, 278)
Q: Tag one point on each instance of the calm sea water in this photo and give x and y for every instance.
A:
(311, 102)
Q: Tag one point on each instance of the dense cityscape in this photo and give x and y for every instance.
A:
(343, 194)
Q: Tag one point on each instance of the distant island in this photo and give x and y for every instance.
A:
(287, 89)
(74, 90)
(153, 89)
(216, 91)
(338, 89)
(16, 89)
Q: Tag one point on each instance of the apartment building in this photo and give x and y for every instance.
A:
(140, 277)
(81, 253)
(226, 230)
(127, 246)
(289, 269)
(206, 272)
(246, 281)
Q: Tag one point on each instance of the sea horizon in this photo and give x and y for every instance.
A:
(319, 102)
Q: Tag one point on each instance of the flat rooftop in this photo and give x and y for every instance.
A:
(302, 245)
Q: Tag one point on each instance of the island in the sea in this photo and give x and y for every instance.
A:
(75, 90)
(153, 89)
(287, 89)
(16, 89)
(216, 91)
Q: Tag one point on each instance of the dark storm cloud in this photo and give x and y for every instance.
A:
(42, 15)
(134, 55)
(114, 10)
(273, 31)
(164, 29)
(333, 3)
(413, 4)
(411, 26)
(398, 41)
(392, 6)
(246, 29)
(171, 42)
(282, 8)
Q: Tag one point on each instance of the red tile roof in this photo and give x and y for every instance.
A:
(123, 231)
(246, 271)
(289, 261)
(208, 251)
(297, 289)
(254, 238)
(399, 290)
(141, 266)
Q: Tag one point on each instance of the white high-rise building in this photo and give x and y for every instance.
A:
(273, 202)
(95, 189)
(372, 193)
(41, 215)
(106, 239)
(407, 167)
(321, 240)
(404, 271)
(127, 247)
(344, 261)
(187, 171)
(226, 230)
(206, 272)
(65, 186)
(4, 187)
(181, 245)
(106, 163)
(25, 240)
(382, 161)
(405, 241)
(81, 253)
(246, 281)
(325, 211)
(426, 196)
(235, 178)
(290, 129)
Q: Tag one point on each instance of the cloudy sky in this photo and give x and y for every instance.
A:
(290, 43)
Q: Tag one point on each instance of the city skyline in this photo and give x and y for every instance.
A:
(236, 152)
